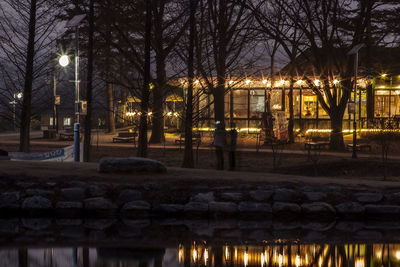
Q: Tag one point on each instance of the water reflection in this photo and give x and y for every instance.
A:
(204, 255)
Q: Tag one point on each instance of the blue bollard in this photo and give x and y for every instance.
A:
(76, 142)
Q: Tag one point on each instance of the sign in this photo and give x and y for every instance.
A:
(65, 154)
(57, 100)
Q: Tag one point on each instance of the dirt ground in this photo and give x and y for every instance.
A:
(291, 160)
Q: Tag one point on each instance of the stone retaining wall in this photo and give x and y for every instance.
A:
(175, 199)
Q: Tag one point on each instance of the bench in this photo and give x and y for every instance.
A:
(316, 143)
(196, 139)
(361, 145)
(125, 137)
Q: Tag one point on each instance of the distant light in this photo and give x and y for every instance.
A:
(300, 82)
(196, 81)
(19, 95)
(248, 82)
(63, 60)
(335, 81)
(264, 81)
(383, 75)
(398, 254)
(317, 82)
(230, 82)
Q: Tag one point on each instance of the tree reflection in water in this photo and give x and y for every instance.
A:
(201, 254)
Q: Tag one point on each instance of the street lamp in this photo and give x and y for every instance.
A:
(16, 97)
(63, 61)
(354, 51)
(74, 23)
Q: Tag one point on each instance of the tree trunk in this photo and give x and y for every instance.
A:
(89, 88)
(27, 97)
(188, 156)
(23, 257)
(291, 111)
(110, 106)
(142, 148)
(336, 138)
(157, 133)
(219, 93)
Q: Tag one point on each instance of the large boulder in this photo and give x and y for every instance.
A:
(133, 164)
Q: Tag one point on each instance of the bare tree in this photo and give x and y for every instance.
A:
(28, 30)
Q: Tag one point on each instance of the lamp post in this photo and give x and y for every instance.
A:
(74, 23)
(14, 103)
(354, 51)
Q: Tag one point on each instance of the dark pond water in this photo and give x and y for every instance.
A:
(200, 253)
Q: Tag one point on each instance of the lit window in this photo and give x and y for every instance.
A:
(67, 121)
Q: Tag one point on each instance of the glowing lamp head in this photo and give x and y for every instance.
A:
(317, 82)
(384, 75)
(335, 81)
(63, 60)
(248, 82)
(264, 81)
(19, 95)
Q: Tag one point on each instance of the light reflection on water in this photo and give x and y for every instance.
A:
(198, 255)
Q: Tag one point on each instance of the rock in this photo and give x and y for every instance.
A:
(77, 184)
(196, 207)
(203, 197)
(382, 210)
(368, 235)
(39, 192)
(129, 195)
(266, 187)
(254, 207)
(25, 184)
(317, 226)
(73, 193)
(261, 195)
(98, 203)
(368, 197)
(230, 196)
(284, 195)
(68, 222)
(9, 226)
(171, 208)
(307, 188)
(315, 196)
(320, 210)
(136, 208)
(36, 202)
(96, 191)
(36, 223)
(222, 207)
(350, 209)
(99, 224)
(333, 188)
(349, 226)
(68, 205)
(258, 224)
(9, 200)
(287, 208)
(134, 164)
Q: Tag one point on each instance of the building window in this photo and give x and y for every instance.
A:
(51, 121)
(67, 121)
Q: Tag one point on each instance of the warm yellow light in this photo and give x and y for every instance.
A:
(205, 256)
(297, 260)
(226, 253)
(194, 255)
(230, 82)
(180, 254)
(262, 260)
(383, 75)
(398, 254)
(63, 60)
(248, 82)
(280, 260)
(169, 113)
(317, 82)
(150, 113)
(246, 258)
(176, 114)
(264, 81)
(19, 95)
(300, 82)
(359, 263)
(196, 82)
(335, 81)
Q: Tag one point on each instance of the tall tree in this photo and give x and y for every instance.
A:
(89, 87)
(188, 156)
(224, 38)
(142, 148)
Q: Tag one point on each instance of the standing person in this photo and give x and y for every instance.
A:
(219, 143)
(232, 148)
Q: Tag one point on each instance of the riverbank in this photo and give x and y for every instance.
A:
(75, 190)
